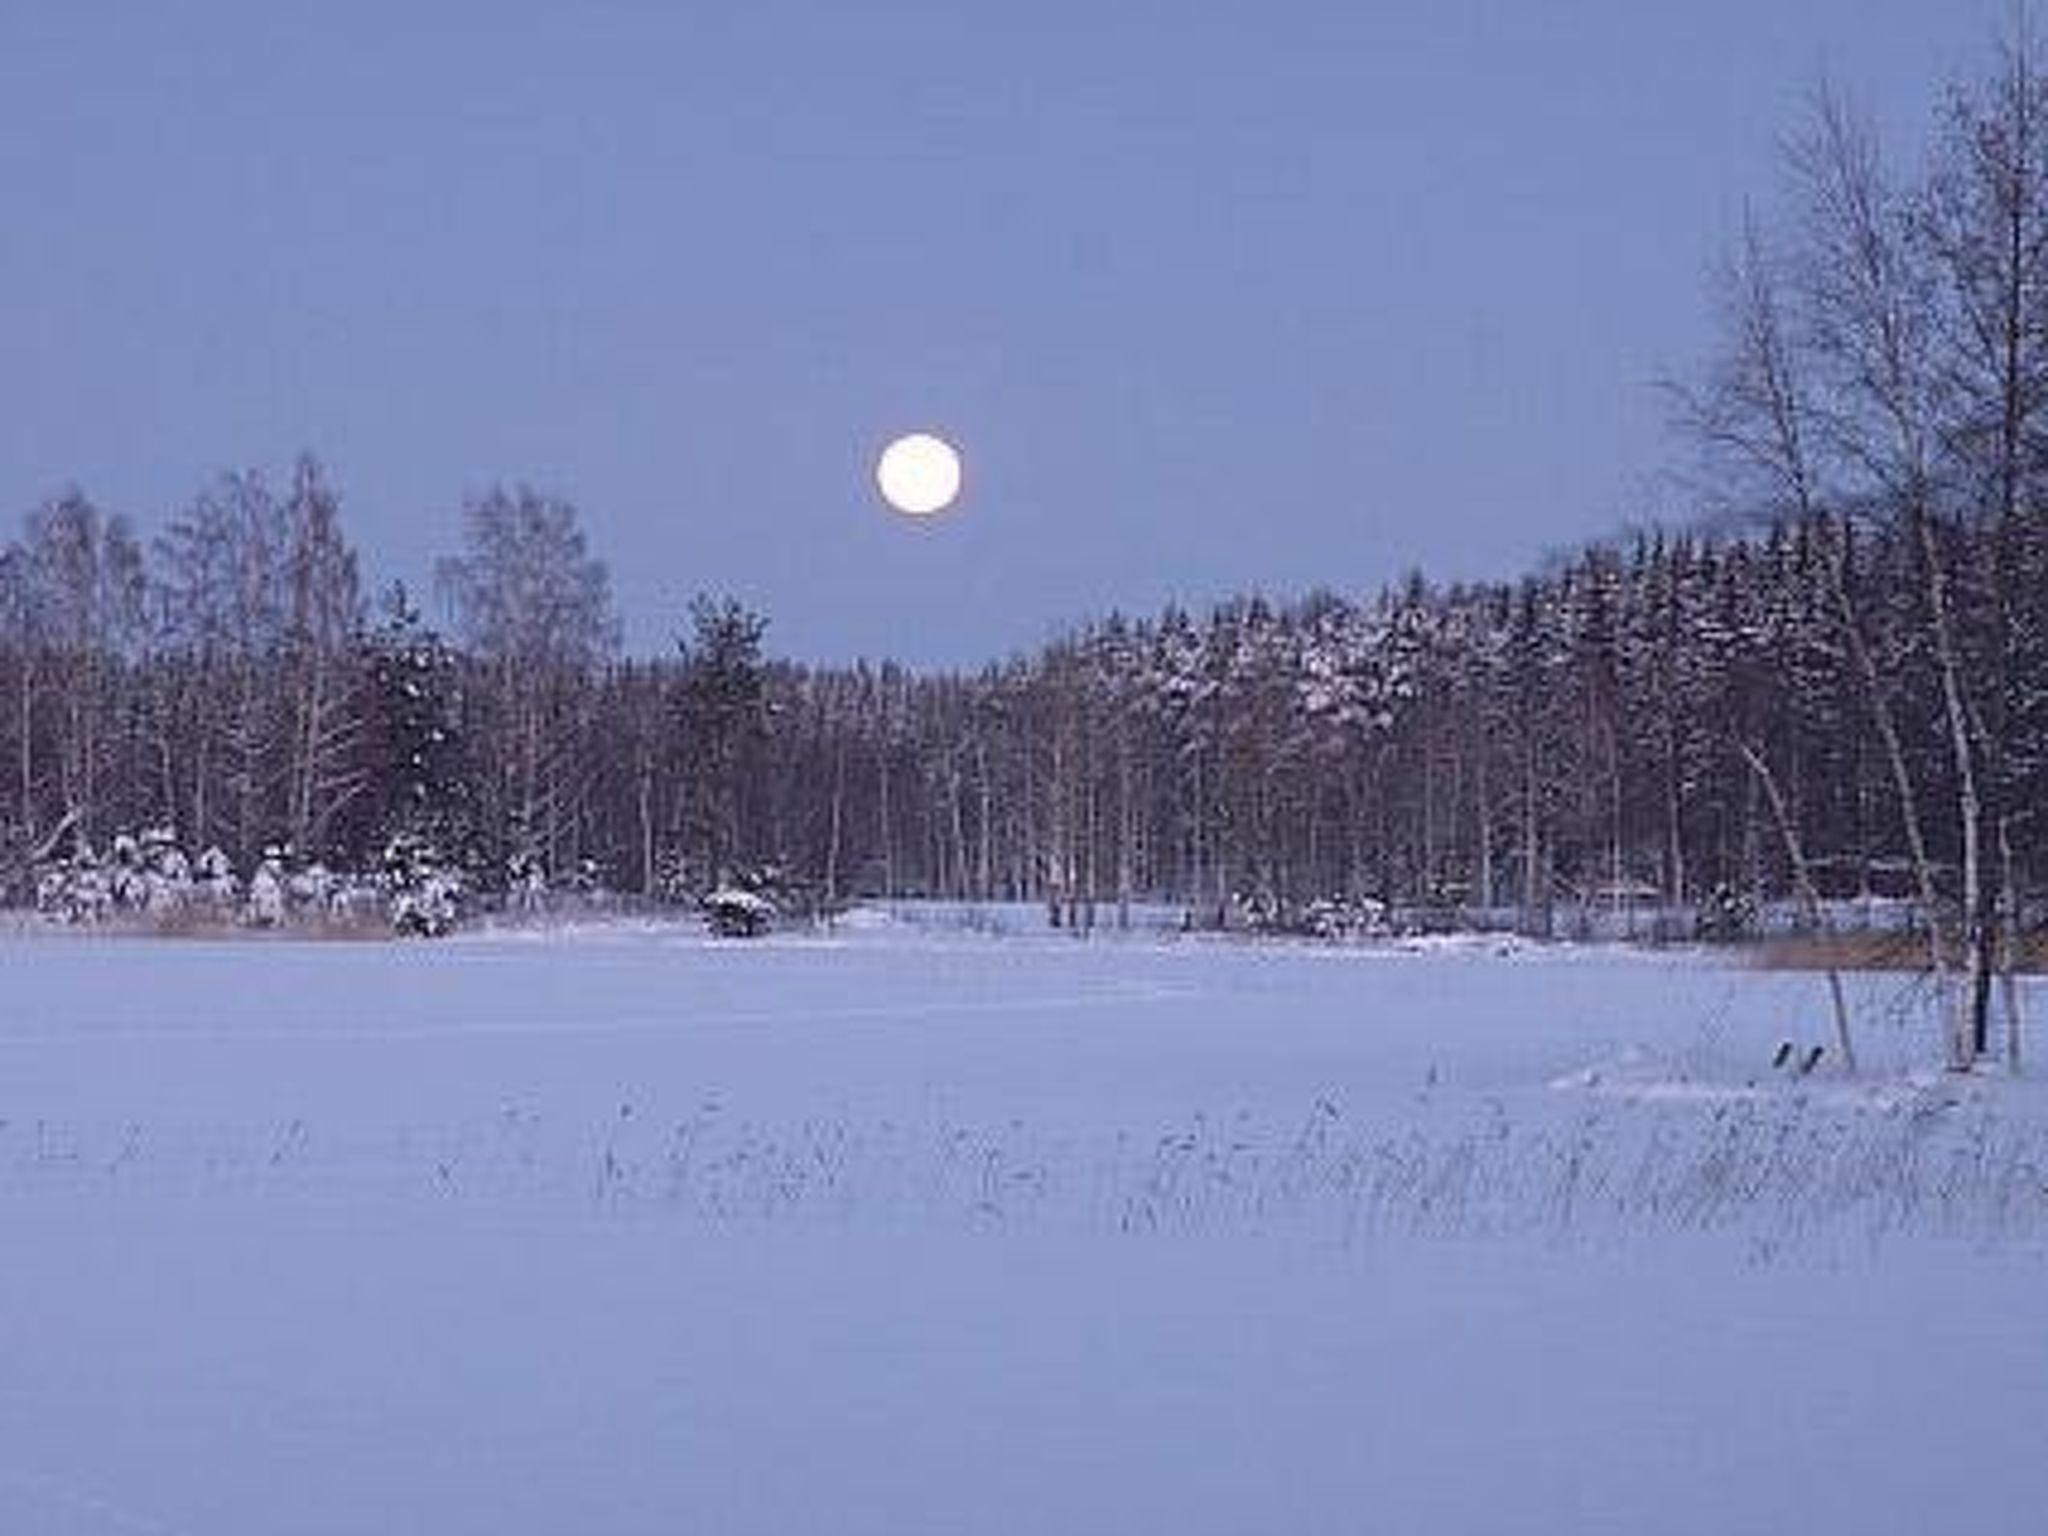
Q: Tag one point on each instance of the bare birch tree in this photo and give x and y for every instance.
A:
(534, 607)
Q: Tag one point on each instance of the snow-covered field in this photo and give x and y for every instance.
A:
(922, 1229)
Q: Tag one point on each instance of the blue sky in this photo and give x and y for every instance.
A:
(1213, 297)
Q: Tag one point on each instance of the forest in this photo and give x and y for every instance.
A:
(1829, 680)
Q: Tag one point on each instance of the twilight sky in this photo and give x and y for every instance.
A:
(1213, 296)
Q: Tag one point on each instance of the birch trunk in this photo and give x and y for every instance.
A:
(1809, 896)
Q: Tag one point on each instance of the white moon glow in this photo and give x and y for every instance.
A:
(919, 474)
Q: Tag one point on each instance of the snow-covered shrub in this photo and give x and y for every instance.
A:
(526, 883)
(216, 884)
(143, 874)
(127, 878)
(429, 909)
(166, 873)
(74, 889)
(1326, 917)
(49, 888)
(734, 913)
(1726, 916)
(423, 893)
(1338, 917)
(265, 907)
(319, 896)
(1256, 912)
(311, 890)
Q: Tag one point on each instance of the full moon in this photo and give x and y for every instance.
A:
(919, 474)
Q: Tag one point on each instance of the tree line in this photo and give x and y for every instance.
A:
(1591, 731)
(1834, 685)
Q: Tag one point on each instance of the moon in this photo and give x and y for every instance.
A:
(919, 474)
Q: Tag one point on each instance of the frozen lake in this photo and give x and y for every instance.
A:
(626, 1231)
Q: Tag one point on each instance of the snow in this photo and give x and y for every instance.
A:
(912, 1228)
(732, 896)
